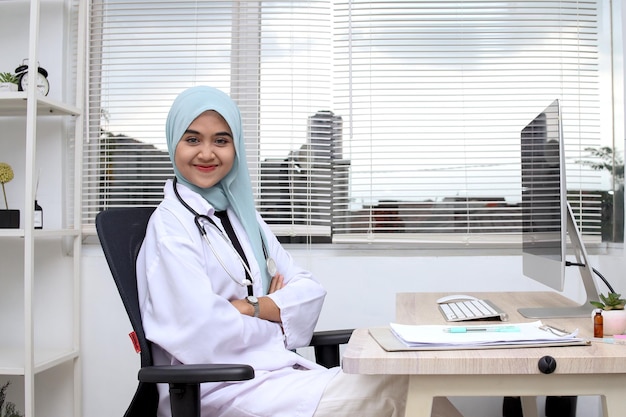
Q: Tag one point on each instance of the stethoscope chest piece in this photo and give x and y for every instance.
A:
(271, 266)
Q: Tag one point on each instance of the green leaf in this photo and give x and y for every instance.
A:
(611, 301)
(11, 411)
(3, 394)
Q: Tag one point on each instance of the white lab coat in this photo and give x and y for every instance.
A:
(184, 296)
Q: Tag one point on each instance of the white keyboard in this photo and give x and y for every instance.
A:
(471, 310)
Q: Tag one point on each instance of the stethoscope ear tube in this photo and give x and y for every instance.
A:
(197, 217)
(184, 203)
(196, 220)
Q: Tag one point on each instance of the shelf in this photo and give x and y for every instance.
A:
(39, 233)
(53, 357)
(14, 104)
(40, 283)
(12, 359)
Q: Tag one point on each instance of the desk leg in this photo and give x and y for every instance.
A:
(419, 401)
(613, 400)
(529, 406)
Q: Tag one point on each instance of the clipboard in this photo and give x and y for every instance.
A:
(390, 343)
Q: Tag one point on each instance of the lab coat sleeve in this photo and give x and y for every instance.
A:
(302, 298)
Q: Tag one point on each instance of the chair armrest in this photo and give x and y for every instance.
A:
(326, 346)
(184, 382)
(331, 337)
(194, 374)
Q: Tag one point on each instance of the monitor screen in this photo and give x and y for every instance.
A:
(544, 198)
(548, 224)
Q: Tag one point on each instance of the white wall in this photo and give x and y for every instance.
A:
(361, 293)
(361, 289)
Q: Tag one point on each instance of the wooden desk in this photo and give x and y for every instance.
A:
(599, 369)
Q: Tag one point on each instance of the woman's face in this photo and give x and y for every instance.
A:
(206, 151)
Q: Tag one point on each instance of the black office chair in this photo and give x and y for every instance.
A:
(121, 232)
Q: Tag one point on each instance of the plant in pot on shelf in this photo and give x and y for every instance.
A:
(613, 313)
(9, 219)
(8, 81)
(8, 410)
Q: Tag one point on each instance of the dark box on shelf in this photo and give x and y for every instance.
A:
(9, 219)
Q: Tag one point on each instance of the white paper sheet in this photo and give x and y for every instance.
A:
(481, 335)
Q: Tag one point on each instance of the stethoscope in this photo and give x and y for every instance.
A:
(200, 219)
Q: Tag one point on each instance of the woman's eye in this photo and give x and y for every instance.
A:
(191, 139)
(221, 141)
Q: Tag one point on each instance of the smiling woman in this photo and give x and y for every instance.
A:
(350, 106)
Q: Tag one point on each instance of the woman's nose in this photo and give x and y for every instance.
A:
(206, 152)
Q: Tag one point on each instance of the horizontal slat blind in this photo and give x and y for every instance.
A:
(364, 120)
(435, 94)
(295, 120)
(273, 58)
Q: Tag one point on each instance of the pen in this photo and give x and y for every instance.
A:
(612, 340)
(460, 329)
(603, 340)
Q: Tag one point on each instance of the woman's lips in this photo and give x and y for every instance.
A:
(206, 168)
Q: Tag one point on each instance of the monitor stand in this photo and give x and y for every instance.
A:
(591, 290)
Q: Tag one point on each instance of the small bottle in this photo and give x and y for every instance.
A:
(38, 216)
(598, 324)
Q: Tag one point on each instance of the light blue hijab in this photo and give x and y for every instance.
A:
(235, 189)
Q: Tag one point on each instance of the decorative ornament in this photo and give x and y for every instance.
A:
(6, 175)
(40, 76)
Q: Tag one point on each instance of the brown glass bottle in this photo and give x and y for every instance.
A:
(598, 324)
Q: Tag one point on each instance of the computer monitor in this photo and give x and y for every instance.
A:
(547, 218)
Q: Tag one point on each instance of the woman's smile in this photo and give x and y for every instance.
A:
(206, 168)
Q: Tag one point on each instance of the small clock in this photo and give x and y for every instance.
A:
(23, 77)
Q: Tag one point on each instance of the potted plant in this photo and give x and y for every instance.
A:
(9, 219)
(8, 410)
(604, 158)
(613, 313)
(8, 81)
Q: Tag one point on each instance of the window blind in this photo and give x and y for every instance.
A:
(271, 57)
(437, 94)
(364, 120)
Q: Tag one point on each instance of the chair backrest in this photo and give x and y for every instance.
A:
(121, 232)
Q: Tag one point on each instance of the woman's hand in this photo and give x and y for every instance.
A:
(268, 309)
(277, 282)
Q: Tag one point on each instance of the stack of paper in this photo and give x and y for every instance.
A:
(510, 334)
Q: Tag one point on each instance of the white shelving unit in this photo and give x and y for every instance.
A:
(41, 138)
